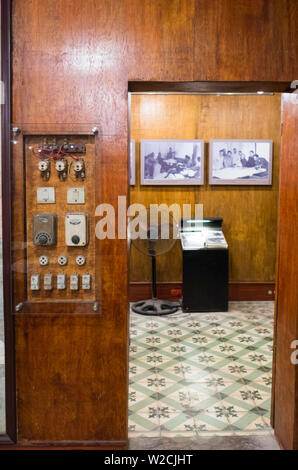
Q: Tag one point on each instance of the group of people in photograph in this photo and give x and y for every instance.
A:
(169, 163)
(237, 158)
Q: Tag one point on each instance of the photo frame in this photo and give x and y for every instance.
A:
(172, 162)
(132, 157)
(240, 162)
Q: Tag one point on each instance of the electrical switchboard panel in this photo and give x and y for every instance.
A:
(60, 205)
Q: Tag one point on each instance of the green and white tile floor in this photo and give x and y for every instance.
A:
(201, 373)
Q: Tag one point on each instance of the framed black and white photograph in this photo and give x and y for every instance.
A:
(172, 162)
(132, 162)
(240, 162)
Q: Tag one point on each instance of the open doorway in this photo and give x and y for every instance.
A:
(207, 374)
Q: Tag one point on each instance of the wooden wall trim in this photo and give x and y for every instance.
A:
(208, 87)
(285, 378)
(238, 291)
(10, 384)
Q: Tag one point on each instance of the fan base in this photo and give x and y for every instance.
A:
(155, 307)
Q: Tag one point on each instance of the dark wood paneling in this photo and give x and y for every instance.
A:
(69, 391)
(6, 180)
(286, 329)
(33, 181)
(245, 40)
(208, 87)
(238, 291)
(72, 61)
(249, 212)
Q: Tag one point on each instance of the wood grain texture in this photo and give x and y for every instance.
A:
(286, 329)
(72, 61)
(60, 208)
(238, 291)
(72, 364)
(249, 212)
(10, 432)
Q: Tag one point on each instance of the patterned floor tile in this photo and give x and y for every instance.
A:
(201, 373)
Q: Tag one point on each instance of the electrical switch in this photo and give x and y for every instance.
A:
(61, 281)
(74, 282)
(48, 282)
(76, 229)
(45, 229)
(45, 195)
(76, 196)
(35, 282)
(86, 281)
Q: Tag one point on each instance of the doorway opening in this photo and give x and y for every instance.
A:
(206, 374)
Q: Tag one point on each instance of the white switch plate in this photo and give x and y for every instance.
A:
(74, 282)
(76, 196)
(61, 281)
(45, 195)
(76, 229)
(86, 281)
(48, 282)
(35, 284)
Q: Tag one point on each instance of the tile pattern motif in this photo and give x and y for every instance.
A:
(201, 374)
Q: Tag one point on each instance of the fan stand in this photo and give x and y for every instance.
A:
(155, 306)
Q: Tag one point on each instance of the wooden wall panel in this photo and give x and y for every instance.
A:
(72, 60)
(249, 212)
(34, 181)
(238, 40)
(68, 392)
(286, 328)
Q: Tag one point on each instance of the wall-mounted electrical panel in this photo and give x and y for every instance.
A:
(60, 205)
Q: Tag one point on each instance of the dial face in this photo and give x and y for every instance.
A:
(43, 238)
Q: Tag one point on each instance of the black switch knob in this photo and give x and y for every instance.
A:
(75, 239)
(43, 239)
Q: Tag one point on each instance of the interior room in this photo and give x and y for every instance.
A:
(148, 226)
(206, 373)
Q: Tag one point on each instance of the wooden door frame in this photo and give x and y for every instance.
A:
(139, 87)
(10, 436)
(177, 87)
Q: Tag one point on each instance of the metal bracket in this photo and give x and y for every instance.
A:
(19, 307)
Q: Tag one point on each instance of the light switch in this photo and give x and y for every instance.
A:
(45, 195)
(48, 282)
(61, 281)
(76, 229)
(74, 282)
(35, 282)
(86, 281)
(76, 196)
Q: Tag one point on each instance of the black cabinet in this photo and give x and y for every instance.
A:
(205, 280)
(205, 266)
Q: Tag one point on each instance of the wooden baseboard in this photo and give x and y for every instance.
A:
(238, 291)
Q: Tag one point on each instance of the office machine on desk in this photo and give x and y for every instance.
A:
(205, 265)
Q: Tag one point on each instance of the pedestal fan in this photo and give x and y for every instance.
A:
(160, 238)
